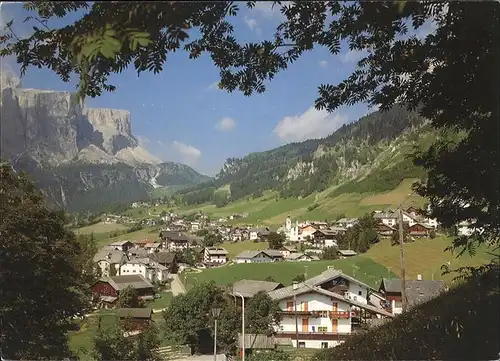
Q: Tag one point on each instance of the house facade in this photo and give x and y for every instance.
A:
(252, 257)
(107, 289)
(109, 261)
(417, 291)
(215, 255)
(150, 270)
(324, 306)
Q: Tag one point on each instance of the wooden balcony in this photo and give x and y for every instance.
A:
(324, 336)
(318, 314)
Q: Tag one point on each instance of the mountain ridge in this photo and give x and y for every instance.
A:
(77, 154)
(355, 151)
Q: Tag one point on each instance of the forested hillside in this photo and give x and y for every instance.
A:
(371, 152)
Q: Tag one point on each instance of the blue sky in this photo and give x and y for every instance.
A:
(180, 114)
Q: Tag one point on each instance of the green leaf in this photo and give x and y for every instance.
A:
(107, 52)
(144, 42)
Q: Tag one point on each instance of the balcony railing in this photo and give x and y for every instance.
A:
(317, 314)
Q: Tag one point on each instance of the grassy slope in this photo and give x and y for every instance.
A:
(101, 228)
(360, 267)
(424, 257)
(235, 248)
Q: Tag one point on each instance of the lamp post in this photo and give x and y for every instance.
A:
(216, 314)
(242, 325)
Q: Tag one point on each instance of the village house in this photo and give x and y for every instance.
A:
(300, 257)
(153, 247)
(122, 245)
(307, 231)
(174, 240)
(135, 320)
(346, 253)
(319, 225)
(238, 234)
(324, 238)
(108, 289)
(384, 230)
(214, 255)
(109, 261)
(166, 259)
(338, 230)
(387, 218)
(274, 254)
(148, 269)
(417, 291)
(252, 257)
(325, 307)
(257, 233)
(249, 288)
(287, 250)
(347, 222)
(137, 252)
(195, 226)
(419, 230)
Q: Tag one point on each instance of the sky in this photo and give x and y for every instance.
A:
(180, 114)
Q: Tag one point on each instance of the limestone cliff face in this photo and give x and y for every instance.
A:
(82, 158)
(41, 124)
(114, 126)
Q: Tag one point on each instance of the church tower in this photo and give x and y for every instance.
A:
(288, 224)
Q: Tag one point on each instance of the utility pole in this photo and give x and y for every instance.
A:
(296, 321)
(404, 300)
(295, 286)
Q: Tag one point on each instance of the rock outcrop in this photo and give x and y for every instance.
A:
(75, 154)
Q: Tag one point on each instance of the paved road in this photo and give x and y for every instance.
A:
(176, 286)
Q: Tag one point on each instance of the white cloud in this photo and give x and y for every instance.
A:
(323, 63)
(352, 56)
(143, 141)
(214, 86)
(225, 124)
(266, 8)
(311, 124)
(251, 22)
(188, 154)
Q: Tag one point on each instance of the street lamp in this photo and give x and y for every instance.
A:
(216, 314)
(242, 325)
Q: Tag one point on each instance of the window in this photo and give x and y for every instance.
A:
(324, 344)
(302, 345)
(360, 293)
(323, 313)
(322, 329)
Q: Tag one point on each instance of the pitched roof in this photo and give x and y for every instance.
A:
(173, 235)
(303, 287)
(416, 290)
(121, 282)
(162, 257)
(327, 232)
(297, 255)
(112, 256)
(347, 252)
(273, 252)
(250, 254)
(248, 288)
(216, 251)
(119, 243)
(386, 215)
(134, 312)
(347, 220)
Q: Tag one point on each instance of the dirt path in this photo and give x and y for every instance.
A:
(176, 286)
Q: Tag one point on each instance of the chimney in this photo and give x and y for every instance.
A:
(419, 277)
(295, 285)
